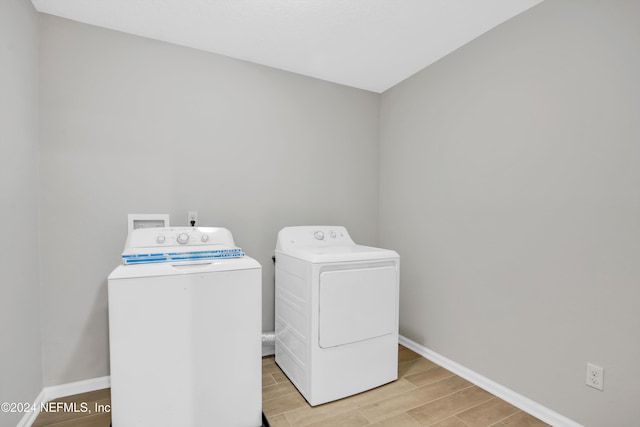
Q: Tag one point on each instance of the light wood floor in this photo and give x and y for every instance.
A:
(425, 394)
(78, 418)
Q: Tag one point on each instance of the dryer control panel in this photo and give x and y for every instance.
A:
(313, 236)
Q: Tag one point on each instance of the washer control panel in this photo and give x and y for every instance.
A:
(182, 238)
(177, 244)
(179, 236)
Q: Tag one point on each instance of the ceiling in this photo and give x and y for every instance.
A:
(367, 44)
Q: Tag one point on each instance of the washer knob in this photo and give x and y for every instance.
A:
(332, 234)
(182, 238)
(205, 238)
(319, 235)
(160, 239)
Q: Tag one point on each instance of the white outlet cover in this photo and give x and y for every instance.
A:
(595, 376)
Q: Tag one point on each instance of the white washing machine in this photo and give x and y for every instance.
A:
(336, 312)
(185, 331)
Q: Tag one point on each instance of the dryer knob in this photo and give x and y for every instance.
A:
(204, 238)
(319, 235)
(160, 239)
(182, 238)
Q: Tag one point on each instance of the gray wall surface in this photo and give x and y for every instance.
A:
(509, 186)
(20, 349)
(132, 125)
(507, 180)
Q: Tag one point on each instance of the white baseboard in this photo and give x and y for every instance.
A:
(519, 401)
(29, 417)
(69, 389)
(57, 391)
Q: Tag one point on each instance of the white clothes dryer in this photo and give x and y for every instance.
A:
(336, 312)
(185, 331)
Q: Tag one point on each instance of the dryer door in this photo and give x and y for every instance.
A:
(357, 305)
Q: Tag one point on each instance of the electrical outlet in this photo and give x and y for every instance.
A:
(192, 218)
(595, 376)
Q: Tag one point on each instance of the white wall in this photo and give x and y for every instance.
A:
(20, 349)
(131, 125)
(510, 186)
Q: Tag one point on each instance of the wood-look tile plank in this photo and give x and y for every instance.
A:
(487, 413)
(346, 419)
(414, 398)
(405, 354)
(307, 415)
(270, 368)
(450, 405)
(86, 397)
(78, 406)
(450, 422)
(267, 380)
(278, 390)
(94, 420)
(283, 404)
(429, 376)
(279, 421)
(414, 366)
(279, 377)
(522, 419)
(400, 420)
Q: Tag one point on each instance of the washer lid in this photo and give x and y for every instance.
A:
(183, 267)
